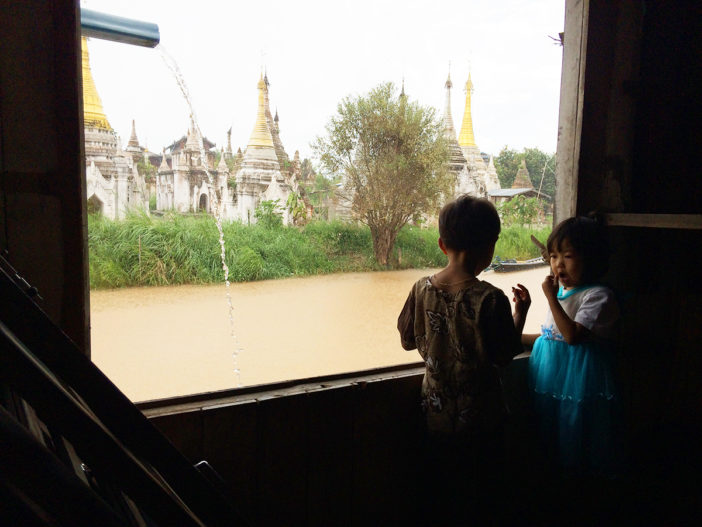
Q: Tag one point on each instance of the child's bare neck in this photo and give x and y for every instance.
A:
(453, 277)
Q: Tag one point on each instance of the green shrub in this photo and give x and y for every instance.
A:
(248, 266)
(515, 242)
(176, 249)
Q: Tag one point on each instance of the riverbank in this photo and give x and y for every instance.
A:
(165, 341)
(178, 250)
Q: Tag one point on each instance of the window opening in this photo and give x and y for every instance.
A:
(284, 217)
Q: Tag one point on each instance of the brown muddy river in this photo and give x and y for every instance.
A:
(167, 341)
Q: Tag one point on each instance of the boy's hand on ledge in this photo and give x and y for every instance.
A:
(521, 299)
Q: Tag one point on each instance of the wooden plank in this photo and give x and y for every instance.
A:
(387, 439)
(655, 221)
(571, 108)
(330, 451)
(184, 431)
(282, 461)
(229, 446)
(248, 394)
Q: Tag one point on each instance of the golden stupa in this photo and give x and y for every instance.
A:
(466, 137)
(93, 114)
(261, 135)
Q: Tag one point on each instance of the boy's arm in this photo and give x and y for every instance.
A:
(522, 301)
(499, 331)
(405, 324)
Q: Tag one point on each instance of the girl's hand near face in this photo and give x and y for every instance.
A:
(550, 286)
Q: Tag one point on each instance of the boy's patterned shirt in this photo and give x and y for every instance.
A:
(463, 338)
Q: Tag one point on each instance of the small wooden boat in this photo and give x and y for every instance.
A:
(506, 266)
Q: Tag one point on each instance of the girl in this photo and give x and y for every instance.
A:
(571, 365)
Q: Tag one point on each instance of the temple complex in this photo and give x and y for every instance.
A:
(475, 174)
(114, 185)
(185, 177)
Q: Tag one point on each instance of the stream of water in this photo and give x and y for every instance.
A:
(237, 349)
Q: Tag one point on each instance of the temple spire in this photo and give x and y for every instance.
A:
(193, 138)
(93, 114)
(456, 160)
(466, 137)
(222, 165)
(163, 167)
(448, 119)
(229, 141)
(522, 179)
(261, 134)
(133, 141)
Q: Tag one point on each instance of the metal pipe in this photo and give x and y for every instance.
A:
(119, 29)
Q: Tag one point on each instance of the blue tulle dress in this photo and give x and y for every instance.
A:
(574, 386)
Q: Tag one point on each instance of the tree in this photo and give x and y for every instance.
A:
(506, 164)
(392, 155)
(146, 170)
(296, 207)
(307, 171)
(538, 163)
(269, 214)
(520, 210)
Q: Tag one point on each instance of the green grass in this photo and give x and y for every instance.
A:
(143, 250)
(515, 242)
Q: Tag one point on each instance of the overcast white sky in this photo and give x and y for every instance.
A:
(317, 52)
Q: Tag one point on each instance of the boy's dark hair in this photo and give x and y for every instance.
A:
(468, 223)
(588, 237)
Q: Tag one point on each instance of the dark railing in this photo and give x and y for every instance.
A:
(79, 418)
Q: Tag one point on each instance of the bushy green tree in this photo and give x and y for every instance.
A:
(539, 164)
(269, 214)
(393, 156)
(296, 206)
(146, 170)
(519, 210)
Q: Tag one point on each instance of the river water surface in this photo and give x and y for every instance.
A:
(156, 342)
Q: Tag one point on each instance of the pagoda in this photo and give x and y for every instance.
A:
(475, 172)
(261, 173)
(114, 186)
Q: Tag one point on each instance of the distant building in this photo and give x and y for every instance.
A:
(114, 185)
(521, 186)
(474, 175)
(187, 179)
(184, 178)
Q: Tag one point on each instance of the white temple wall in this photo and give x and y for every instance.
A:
(246, 206)
(102, 189)
(181, 192)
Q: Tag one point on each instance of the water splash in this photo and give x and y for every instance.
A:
(215, 201)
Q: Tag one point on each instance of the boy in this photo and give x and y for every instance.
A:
(464, 330)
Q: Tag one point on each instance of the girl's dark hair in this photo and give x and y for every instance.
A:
(588, 237)
(468, 223)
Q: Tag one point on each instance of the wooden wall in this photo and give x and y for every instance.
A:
(347, 455)
(42, 191)
(640, 147)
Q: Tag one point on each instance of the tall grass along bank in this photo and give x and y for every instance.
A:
(177, 249)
